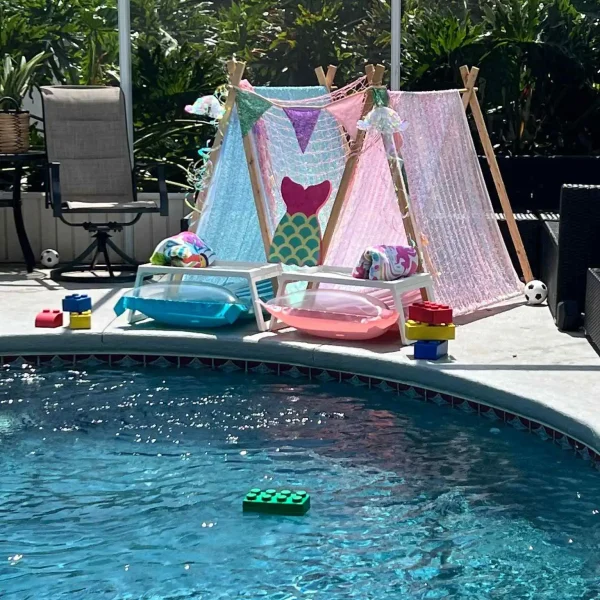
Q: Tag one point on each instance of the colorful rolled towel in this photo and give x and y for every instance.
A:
(185, 249)
(386, 263)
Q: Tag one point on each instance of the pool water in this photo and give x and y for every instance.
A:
(122, 484)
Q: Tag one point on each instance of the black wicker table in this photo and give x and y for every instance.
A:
(592, 307)
(19, 160)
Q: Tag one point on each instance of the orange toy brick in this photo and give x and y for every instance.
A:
(49, 318)
(430, 313)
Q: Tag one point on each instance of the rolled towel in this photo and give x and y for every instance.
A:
(386, 263)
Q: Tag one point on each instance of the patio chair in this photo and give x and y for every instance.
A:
(91, 173)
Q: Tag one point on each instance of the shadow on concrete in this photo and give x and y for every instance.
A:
(491, 312)
(467, 367)
(13, 276)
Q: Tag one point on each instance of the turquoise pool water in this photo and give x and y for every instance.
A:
(127, 484)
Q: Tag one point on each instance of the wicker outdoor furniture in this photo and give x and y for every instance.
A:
(569, 247)
(592, 307)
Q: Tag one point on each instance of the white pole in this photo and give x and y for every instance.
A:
(396, 43)
(125, 64)
(125, 76)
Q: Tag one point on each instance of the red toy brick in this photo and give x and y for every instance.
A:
(430, 313)
(49, 318)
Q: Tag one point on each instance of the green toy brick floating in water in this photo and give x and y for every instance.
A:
(284, 502)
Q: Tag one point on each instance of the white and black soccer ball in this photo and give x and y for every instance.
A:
(536, 292)
(49, 258)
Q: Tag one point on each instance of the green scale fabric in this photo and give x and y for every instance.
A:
(297, 241)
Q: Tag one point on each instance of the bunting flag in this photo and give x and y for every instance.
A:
(251, 108)
(347, 112)
(304, 121)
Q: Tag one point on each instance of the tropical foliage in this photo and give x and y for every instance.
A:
(539, 84)
(16, 79)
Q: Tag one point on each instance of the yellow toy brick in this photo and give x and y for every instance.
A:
(81, 320)
(424, 332)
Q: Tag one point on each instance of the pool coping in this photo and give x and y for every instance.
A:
(297, 359)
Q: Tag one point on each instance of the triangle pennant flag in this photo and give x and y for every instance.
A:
(304, 121)
(250, 109)
(348, 112)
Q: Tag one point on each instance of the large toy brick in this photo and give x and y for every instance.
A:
(81, 320)
(430, 350)
(49, 318)
(423, 331)
(284, 502)
(77, 303)
(430, 312)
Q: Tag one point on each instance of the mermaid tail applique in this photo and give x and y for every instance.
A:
(297, 239)
(307, 201)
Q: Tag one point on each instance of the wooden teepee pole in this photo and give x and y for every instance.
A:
(403, 204)
(469, 77)
(235, 70)
(330, 77)
(257, 192)
(326, 80)
(405, 210)
(374, 75)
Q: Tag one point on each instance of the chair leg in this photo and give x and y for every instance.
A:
(430, 293)
(111, 273)
(401, 321)
(56, 274)
(99, 247)
(139, 282)
(274, 323)
(95, 259)
(260, 321)
(128, 259)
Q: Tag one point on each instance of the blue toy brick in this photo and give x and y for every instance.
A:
(77, 303)
(430, 350)
(284, 502)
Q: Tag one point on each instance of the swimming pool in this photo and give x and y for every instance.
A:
(127, 484)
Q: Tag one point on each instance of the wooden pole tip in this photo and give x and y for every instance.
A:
(378, 75)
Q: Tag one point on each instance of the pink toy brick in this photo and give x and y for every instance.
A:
(430, 313)
(49, 318)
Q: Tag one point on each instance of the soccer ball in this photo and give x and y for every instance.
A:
(536, 292)
(49, 258)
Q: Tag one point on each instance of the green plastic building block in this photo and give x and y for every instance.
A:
(284, 502)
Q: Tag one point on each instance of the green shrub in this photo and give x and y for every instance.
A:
(539, 82)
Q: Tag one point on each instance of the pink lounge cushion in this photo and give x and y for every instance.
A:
(335, 314)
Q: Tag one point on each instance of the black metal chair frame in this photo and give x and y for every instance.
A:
(101, 231)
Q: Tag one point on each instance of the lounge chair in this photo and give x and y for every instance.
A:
(91, 173)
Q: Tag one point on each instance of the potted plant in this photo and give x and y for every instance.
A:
(16, 79)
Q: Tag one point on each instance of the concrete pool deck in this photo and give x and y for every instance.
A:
(512, 357)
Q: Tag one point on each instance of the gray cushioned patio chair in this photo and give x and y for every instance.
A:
(90, 172)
